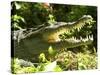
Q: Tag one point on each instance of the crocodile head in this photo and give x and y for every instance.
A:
(72, 36)
(54, 33)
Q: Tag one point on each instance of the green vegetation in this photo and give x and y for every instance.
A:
(62, 61)
(30, 15)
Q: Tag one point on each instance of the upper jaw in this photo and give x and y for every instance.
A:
(88, 37)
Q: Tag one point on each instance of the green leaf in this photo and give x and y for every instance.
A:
(42, 57)
(17, 5)
(28, 69)
(82, 66)
(57, 69)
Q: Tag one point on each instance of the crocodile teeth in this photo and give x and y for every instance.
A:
(86, 38)
(78, 29)
(73, 38)
(91, 37)
(80, 38)
(89, 23)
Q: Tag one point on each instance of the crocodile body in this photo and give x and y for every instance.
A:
(31, 42)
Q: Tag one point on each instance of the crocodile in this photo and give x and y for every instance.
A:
(31, 42)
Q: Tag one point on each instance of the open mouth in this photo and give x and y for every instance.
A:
(79, 33)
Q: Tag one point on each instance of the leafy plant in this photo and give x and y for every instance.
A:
(44, 65)
(16, 21)
(86, 61)
(62, 61)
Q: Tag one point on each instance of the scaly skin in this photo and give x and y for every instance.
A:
(28, 43)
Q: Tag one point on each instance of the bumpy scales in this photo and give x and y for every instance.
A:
(30, 42)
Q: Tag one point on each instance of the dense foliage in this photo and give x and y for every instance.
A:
(30, 15)
(62, 61)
